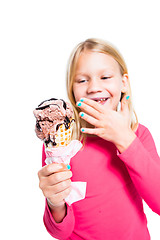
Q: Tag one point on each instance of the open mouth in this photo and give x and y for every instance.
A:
(100, 100)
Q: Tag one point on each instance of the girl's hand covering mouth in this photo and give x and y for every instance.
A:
(110, 125)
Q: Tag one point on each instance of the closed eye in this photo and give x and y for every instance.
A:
(105, 78)
(82, 81)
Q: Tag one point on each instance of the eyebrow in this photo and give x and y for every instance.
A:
(81, 74)
(102, 71)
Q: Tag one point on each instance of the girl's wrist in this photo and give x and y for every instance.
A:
(55, 206)
(125, 140)
(58, 211)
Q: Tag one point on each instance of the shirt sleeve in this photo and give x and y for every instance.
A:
(143, 164)
(60, 230)
(63, 229)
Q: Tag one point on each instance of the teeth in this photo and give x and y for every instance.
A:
(102, 99)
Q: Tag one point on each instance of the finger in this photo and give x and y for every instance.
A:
(97, 106)
(56, 198)
(89, 119)
(88, 109)
(58, 177)
(54, 179)
(59, 187)
(94, 131)
(50, 169)
(60, 203)
(124, 104)
(65, 167)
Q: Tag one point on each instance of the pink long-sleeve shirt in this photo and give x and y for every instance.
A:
(116, 185)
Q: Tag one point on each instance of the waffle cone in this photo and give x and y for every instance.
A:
(63, 135)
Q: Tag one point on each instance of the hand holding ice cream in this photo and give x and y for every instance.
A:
(55, 183)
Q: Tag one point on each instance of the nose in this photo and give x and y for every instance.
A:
(94, 86)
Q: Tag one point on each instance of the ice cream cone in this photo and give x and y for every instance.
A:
(63, 135)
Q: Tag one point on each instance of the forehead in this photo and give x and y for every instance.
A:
(94, 60)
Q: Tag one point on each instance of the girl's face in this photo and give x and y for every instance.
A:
(98, 77)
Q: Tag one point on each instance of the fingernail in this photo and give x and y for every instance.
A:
(79, 104)
(82, 114)
(127, 97)
(69, 167)
(82, 99)
(82, 129)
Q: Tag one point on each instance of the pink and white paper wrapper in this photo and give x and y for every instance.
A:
(63, 155)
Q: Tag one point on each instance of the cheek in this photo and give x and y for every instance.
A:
(117, 87)
(76, 92)
(114, 90)
(116, 97)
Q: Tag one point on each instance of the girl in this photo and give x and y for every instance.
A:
(119, 160)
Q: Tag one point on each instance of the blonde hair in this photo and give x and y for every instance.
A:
(102, 47)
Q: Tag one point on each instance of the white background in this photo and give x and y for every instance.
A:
(37, 38)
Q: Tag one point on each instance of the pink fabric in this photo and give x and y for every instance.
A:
(116, 185)
(62, 154)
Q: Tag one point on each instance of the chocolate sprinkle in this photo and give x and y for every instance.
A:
(58, 125)
(47, 101)
(64, 104)
(47, 106)
(38, 126)
(51, 99)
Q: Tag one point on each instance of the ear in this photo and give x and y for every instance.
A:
(124, 83)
